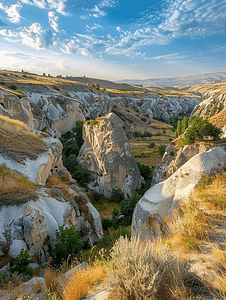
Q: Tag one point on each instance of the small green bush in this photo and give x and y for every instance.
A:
(94, 122)
(172, 153)
(152, 144)
(144, 119)
(164, 131)
(116, 196)
(158, 133)
(127, 207)
(21, 262)
(162, 149)
(13, 87)
(68, 243)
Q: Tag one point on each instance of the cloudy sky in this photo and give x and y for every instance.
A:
(113, 39)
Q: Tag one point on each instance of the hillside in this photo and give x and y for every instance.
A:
(180, 81)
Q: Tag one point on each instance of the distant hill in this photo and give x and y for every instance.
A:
(183, 80)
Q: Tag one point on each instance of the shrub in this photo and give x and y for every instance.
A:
(152, 144)
(13, 87)
(116, 196)
(21, 262)
(172, 153)
(144, 271)
(144, 119)
(68, 243)
(199, 129)
(94, 122)
(164, 131)
(148, 134)
(162, 149)
(127, 208)
(158, 133)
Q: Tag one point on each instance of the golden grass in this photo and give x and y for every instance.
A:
(215, 279)
(83, 280)
(51, 280)
(58, 180)
(219, 120)
(37, 286)
(212, 192)
(14, 187)
(12, 121)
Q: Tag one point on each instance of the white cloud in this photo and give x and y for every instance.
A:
(53, 20)
(107, 3)
(95, 26)
(181, 18)
(118, 29)
(12, 11)
(167, 56)
(56, 5)
(8, 33)
(37, 38)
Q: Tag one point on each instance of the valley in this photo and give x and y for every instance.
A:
(98, 161)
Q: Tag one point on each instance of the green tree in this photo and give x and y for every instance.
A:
(190, 121)
(179, 127)
(184, 124)
(199, 129)
(127, 208)
(68, 242)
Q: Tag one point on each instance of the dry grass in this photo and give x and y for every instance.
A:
(51, 280)
(215, 280)
(14, 187)
(212, 192)
(83, 280)
(219, 119)
(18, 142)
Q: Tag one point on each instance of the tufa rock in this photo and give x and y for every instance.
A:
(160, 200)
(106, 153)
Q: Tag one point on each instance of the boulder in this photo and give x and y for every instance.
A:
(159, 201)
(106, 153)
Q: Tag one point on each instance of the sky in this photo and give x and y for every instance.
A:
(113, 39)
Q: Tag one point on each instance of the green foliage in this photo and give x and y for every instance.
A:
(144, 119)
(13, 87)
(152, 144)
(184, 124)
(116, 196)
(199, 129)
(162, 149)
(158, 133)
(20, 264)
(178, 128)
(174, 122)
(172, 153)
(148, 134)
(94, 122)
(68, 244)
(164, 131)
(190, 121)
(72, 143)
(127, 207)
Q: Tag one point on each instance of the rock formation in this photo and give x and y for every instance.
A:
(33, 225)
(159, 201)
(171, 163)
(106, 153)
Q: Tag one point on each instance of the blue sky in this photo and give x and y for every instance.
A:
(113, 39)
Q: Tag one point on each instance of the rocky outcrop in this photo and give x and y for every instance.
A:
(39, 168)
(106, 153)
(160, 200)
(33, 225)
(213, 102)
(175, 157)
(159, 107)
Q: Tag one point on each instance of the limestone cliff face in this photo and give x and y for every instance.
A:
(106, 153)
(160, 200)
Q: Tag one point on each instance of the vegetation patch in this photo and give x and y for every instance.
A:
(15, 187)
(17, 142)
